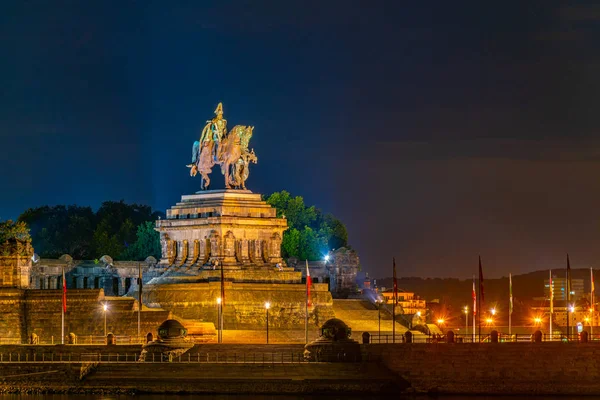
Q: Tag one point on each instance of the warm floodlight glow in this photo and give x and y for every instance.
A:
(219, 300)
(267, 305)
(466, 310)
(104, 307)
(440, 321)
(418, 313)
(572, 309)
(493, 311)
(537, 320)
(489, 321)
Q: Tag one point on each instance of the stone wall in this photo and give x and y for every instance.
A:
(506, 368)
(244, 306)
(23, 312)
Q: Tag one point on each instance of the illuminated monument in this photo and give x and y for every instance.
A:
(231, 234)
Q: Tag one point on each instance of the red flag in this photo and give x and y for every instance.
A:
(64, 292)
(395, 283)
(474, 295)
(308, 284)
(481, 281)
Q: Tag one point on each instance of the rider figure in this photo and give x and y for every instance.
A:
(214, 131)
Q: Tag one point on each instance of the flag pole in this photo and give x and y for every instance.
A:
(592, 293)
(308, 284)
(139, 302)
(568, 297)
(551, 302)
(474, 307)
(395, 299)
(480, 296)
(510, 305)
(62, 308)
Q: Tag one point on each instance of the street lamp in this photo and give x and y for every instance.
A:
(493, 311)
(105, 308)
(379, 301)
(219, 321)
(267, 306)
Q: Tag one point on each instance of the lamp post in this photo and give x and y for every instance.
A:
(267, 306)
(379, 318)
(219, 317)
(105, 308)
(572, 310)
(466, 320)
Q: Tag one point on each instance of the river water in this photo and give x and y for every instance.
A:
(275, 397)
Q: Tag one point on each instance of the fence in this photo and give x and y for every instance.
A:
(484, 338)
(80, 340)
(198, 358)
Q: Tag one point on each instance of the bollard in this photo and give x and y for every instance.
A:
(537, 336)
(366, 337)
(450, 337)
(583, 336)
(494, 336)
(111, 339)
(408, 337)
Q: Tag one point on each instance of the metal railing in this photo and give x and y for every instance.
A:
(483, 338)
(80, 340)
(198, 358)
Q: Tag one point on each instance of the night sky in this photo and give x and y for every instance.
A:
(435, 131)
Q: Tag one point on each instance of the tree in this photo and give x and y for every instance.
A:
(61, 230)
(311, 233)
(83, 234)
(146, 244)
(13, 230)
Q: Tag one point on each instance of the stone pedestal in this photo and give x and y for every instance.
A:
(233, 228)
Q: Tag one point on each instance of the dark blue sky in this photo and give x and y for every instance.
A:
(436, 131)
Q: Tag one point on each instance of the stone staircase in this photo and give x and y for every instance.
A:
(363, 316)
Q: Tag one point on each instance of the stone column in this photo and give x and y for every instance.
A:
(53, 282)
(121, 286)
(46, 279)
(80, 282)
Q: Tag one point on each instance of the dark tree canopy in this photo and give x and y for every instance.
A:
(13, 230)
(311, 233)
(83, 234)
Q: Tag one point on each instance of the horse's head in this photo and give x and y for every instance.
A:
(252, 157)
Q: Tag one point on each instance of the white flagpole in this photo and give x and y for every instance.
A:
(62, 307)
(592, 290)
(510, 305)
(551, 303)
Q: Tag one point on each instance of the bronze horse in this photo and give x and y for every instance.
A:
(232, 148)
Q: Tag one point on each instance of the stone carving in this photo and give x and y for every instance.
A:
(228, 244)
(229, 150)
(171, 251)
(184, 252)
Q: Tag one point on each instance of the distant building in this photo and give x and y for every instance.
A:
(410, 303)
(560, 288)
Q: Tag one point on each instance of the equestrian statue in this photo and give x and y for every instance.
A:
(229, 150)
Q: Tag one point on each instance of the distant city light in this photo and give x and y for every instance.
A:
(493, 311)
